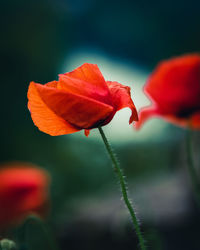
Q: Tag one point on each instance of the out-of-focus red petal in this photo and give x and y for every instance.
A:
(175, 85)
(87, 132)
(80, 111)
(23, 190)
(121, 98)
(192, 122)
(86, 80)
(195, 121)
(43, 117)
(145, 114)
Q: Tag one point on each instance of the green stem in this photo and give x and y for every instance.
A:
(191, 166)
(121, 177)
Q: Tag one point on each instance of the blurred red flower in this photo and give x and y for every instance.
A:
(174, 89)
(80, 99)
(23, 191)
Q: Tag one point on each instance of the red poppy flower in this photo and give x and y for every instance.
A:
(174, 88)
(80, 99)
(23, 190)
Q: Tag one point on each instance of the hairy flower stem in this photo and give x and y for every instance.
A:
(191, 167)
(123, 186)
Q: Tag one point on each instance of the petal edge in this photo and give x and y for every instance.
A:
(44, 118)
(121, 98)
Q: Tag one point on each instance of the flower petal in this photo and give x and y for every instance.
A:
(86, 80)
(195, 121)
(87, 132)
(145, 114)
(53, 84)
(23, 191)
(152, 111)
(79, 111)
(43, 117)
(89, 73)
(192, 122)
(121, 98)
(175, 85)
